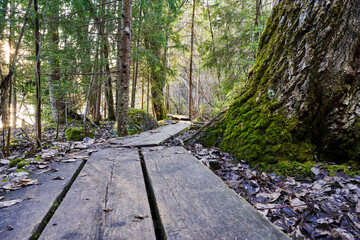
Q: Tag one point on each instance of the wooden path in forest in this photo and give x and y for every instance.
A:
(134, 188)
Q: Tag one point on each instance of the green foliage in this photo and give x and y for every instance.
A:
(233, 50)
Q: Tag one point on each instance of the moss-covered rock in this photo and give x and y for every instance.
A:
(14, 162)
(139, 121)
(74, 134)
(22, 164)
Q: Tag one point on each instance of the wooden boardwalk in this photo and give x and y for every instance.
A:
(140, 193)
(151, 138)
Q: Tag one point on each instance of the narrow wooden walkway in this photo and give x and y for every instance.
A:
(153, 137)
(141, 193)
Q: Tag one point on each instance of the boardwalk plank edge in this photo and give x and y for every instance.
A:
(38, 230)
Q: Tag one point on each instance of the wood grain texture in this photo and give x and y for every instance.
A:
(195, 204)
(26, 216)
(103, 201)
(130, 217)
(153, 137)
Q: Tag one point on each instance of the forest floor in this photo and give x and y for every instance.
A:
(321, 207)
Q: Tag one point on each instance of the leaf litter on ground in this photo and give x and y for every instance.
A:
(38, 161)
(324, 207)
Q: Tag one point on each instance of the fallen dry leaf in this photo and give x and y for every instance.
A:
(9, 203)
(68, 160)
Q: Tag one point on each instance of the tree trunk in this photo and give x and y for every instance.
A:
(191, 61)
(98, 104)
(95, 84)
(142, 93)
(118, 60)
(136, 70)
(148, 94)
(56, 97)
(302, 97)
(38, 78)
(167, 99)
(157, 95)
(108, 82)
(14, 104)
(125, 68)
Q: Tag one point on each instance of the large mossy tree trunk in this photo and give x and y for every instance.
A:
(302, 100)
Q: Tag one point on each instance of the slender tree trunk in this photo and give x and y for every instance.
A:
(56, 96)
(167, 104)
(198, 92)
(118, 60)
(257, 13)
(98, 104)
(94, 89)
(125, 68)
(142, 93)
(256, 23)
(109, 99)
(8, 125)
(148, 93)
(135, 76)
(7, 122)
(14, 104)
(38, 77)
(191, 60)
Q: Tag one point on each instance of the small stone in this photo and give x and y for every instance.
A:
(12, 157)
(20, 174)
(9, 227)
(4, 162)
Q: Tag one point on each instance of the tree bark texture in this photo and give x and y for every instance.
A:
(125, 69)
(136, 69)
(38, 77)
(105, 54)
(191, 61)
(56, 97)
(118, 60)
(302, 100)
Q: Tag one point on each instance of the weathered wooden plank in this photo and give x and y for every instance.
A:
(104, 201)
(25, 217)
(153, 137)
(179, 117)
(194, 203)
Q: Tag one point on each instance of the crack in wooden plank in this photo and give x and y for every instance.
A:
(158, 226)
